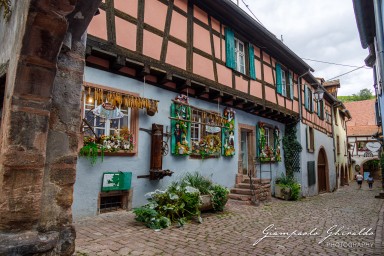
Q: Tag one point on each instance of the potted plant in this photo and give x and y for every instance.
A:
(287, 188)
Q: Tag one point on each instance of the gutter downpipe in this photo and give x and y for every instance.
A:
(380, 40)
(299, 94)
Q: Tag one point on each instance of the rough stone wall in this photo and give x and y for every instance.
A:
(40, 126)
(263, 192)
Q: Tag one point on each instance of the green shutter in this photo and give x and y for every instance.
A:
(290, 85)
(279, 87)
(311, 99)
(173, 125)
(252, 70)
(318, 108)
(306, 101)
(230, 48)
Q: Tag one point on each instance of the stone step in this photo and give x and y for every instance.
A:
(257, 180)
(239, 197)
(255, 185)
(241, 191)
(246, 185)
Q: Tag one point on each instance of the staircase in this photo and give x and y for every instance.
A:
(243, 192)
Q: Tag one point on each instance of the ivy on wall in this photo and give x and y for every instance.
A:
(6, 5)
(292, 149)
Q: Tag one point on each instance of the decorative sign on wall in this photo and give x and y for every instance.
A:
(373, 146)
(268, 143)
(228, 133)
(180, 126)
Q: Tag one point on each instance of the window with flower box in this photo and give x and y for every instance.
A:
(199, 132)
(268, 143)
(110, 119)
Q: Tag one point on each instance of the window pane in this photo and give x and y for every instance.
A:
(244, 152)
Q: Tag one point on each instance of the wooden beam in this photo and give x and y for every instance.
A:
(202, 91)
(249, 106)
(226, 98)
(167, 77)
(145, 70)
(214, 95)
(117, 63)
(238, 101)
(183, 85)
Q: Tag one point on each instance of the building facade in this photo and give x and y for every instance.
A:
(215, 85)
(362, 128)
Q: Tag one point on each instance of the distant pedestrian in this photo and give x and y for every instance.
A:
(359, 179)
(370, 181)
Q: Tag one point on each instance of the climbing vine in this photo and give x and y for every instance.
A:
(291, 150)
(6, 4)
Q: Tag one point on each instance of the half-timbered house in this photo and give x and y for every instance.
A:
(205, 82)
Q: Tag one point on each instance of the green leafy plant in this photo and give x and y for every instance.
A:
(289, 187)
(198, 181)
(291, 149)
(220, 197)
(90, 151)
(176, 204)
(180, 202)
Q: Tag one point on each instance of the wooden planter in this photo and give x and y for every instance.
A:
(282, 192)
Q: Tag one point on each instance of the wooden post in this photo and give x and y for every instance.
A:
(156, 145)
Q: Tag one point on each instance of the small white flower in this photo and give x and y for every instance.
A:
(189, 189)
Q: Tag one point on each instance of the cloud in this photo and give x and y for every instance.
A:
(322, 30)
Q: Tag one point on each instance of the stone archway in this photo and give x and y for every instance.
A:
(40, 123)
(322, 171)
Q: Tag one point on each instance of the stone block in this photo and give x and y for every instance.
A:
(35, 80)
(64, 197)
(28, 243)
(63, 176)
(21, 198)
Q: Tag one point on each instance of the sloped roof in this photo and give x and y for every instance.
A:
(363, 120)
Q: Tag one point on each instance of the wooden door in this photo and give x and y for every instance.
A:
(321, 171)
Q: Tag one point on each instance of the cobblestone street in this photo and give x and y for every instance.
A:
(236, 230)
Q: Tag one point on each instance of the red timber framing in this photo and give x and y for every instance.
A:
(180, 45)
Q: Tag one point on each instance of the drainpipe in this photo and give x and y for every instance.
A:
(380, 40)
(299, 94)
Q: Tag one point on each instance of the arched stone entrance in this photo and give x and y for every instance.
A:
(322, 171)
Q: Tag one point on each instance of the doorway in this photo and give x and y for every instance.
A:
(322, 171)
(246, 153)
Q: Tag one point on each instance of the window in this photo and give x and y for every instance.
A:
(327, 116)
(268, 145)
(196, 126)
(310, 140)
(103, 126)
(111, 119)
(284, 82)
(199, 132)
(236, 53)
(335, 115)
(244, 151)
(308, 99)
(239, 56)
(320, 109)
(338, 144)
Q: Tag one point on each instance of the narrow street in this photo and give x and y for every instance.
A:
(235, 231)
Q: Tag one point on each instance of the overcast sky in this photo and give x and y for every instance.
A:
(323, 30)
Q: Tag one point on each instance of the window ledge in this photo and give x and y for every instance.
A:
(311, 150)
(118, 153)
(198, 156)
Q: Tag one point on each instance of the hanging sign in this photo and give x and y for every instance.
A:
(373, 146)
